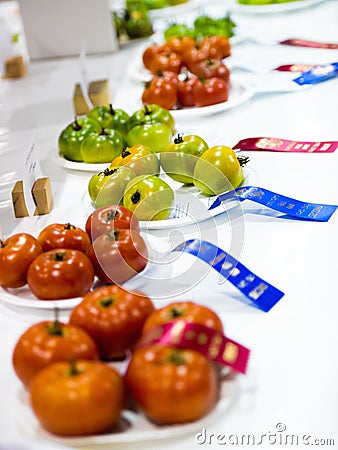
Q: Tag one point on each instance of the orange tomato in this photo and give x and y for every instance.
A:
(113, 317)
(171, 385)
(79, 398)
(189, 311)
(47, 342)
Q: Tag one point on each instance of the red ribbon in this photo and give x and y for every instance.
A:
(284, 145)
(310, 44)
(211, 343)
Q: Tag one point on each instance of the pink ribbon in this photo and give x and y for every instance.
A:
(284, 145)
(211, 343)
(310, 44)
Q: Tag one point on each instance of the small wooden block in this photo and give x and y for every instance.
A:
(99, 92)
(18, 199)
(15, 67)
(80, 105)
(42, 195)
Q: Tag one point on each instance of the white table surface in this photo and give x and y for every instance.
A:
(293, 369)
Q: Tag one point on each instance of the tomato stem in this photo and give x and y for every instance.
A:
(55, 329)
(112, 110)
(175, 312)
(2, 243)
(147, 111)
(73, 370)
(179, 139)
(125, 153)
(135, 198)
(113, 235)
(111, 215)
(177, 358)
(104, 132)
(69, 226)
(106, 302)
(243, 160)
(59, 256)
(108, 171)
(76, 126)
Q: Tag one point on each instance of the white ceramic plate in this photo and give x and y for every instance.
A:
(272, 8)
(134, 427)
(23, 299)
(190, 205)
(161, 13)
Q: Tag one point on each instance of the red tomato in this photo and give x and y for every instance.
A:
(210, 68)
(219, 46)
(77, 399)
(171, 385)
(184, 90)
(179, 44)
(47, 342)
(16, 254)
(166, 75)
(108, 218)
(60, 274)
(194, 54)
(160, 92)
(113, 317)
(59, 235)
(150, 52)
(166, 60)
(118, 255)
(188, 311)
(210, 91)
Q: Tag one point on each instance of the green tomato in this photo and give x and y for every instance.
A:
(109, 117)
(135, 4)
(152, 113)
(102, 147)
(138, 23)
(149, 198)
(107, 187)
(71, 137)
(154, 135)
(179, 158)
(156, 4)
(218, 170)
(178, 29)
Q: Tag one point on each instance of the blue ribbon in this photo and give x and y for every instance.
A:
(294, 208)
(261, 294)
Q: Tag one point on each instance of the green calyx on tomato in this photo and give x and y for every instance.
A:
(154, 135)
(149, 198)
(218, 170)
(109, 117)
(152, 113)
(102, 147)
(140, 159)
(179, 158)
(72, 136)
(178, 29)
(107, 187)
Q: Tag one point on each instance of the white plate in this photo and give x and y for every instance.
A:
(74, 165)
(162, 13)
(135, 428)
(23, 299)
(272, 8)
(190, 205)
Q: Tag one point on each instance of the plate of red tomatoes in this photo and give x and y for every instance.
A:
(133, 427)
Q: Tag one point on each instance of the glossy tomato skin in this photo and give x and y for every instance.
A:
(152, 113)
(166, 60)
(103, 146)
(140, 159)
(210, 91)
(154, 135)
(150, 52)
(184, 90)
(109, 117)
(179, 158)
(46, 342)
(108, 218)
(118, 255)
(160, 91)
(171, 385)
(210, 68)
(190, 312)
(149, 197)
(179, 44)
(60, 274)
(17, 252)
(77, 399)
(218, 45)
(59, 235)
(218, 170)
(113, 317)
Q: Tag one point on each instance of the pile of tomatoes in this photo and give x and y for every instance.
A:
(187, 72)
(63, 260)
(74, 388)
